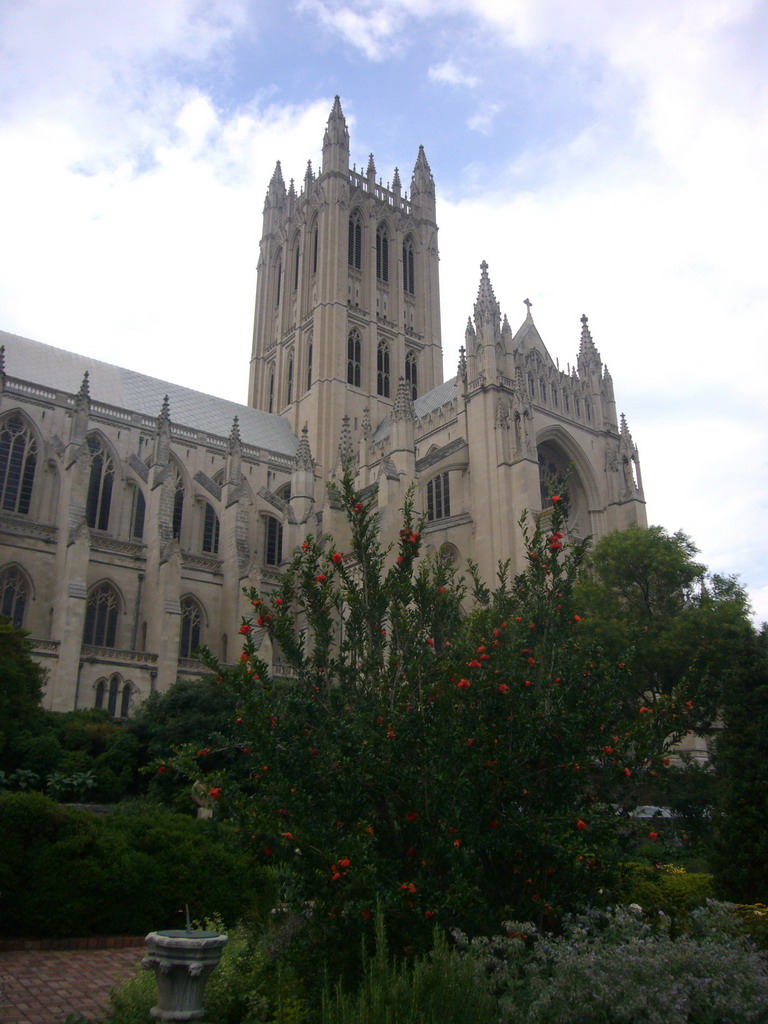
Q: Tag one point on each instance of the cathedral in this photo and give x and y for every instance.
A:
(134, 511)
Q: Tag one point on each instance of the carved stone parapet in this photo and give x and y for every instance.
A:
(201, 562)
(116, 657)
(23, 526)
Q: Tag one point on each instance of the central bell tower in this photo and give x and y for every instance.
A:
(347, 296)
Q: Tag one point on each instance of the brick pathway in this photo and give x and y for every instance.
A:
(45, 986)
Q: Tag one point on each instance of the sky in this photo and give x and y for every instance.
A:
(604, 158)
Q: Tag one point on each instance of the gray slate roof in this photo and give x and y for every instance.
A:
(51, 367)
(423, 406)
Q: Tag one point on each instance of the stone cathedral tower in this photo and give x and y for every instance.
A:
(347, 300)
(133, 511)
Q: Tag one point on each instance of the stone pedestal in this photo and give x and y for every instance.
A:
(182, 961)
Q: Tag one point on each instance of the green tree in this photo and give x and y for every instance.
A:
(741, 762)
(449, 767)
(645, 598)
(21, 685)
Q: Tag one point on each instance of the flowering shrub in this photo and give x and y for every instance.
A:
(614, 968)
(450, 766)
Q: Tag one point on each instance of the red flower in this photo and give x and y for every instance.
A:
(344, 862)
(503, 688)
(555, 497)
(581, 825)
(607, 750)
(245, 629)
(305, 546)
(214, 792)
(278, 601)
(267, 851)
(430, 642)
(577, 618)
(441, 590)
(627, 772)
(494, 823)
(359, 507)
(644, 710)
(287, 835)
(653, 835)
(408, 887)
(531, 661)
(400, 559)
(321, 578)
(528, 682)
(366, 915)
(463, 684)
(689, 703)
(162, 769)
(412, 816)
(337, 557)
(474, 664)
(314, 751)
(457, 843)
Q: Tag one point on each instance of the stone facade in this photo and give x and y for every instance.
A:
(133, 511)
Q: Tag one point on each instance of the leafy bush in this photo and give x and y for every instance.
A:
(665, 889)
(69, 873)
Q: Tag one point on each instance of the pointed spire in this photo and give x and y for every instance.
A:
(234, 435)
(2, 361)
(292, 190)
(486, 307)
(371, 171)
(336, 141)
(403, 409)
(276, 190)
(82, 410)
(85, 387)
(463, 363)
(165, 412)
(528, 318)
(308, 175)
(422, 180)
(303, 457)
(396, 186)
(345, 442)
(589, 357)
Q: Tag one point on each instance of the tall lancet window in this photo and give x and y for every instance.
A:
(355, 242)
(289, 381)
(382, 253)
(18, 458)
(178, 503)
(382, 369)
(309, 364)
(408, 271)
(102, 477)
(411, 375)
(354, 349)
(13, 595)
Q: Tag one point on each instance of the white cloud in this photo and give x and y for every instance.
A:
(450, 73)
(484, 118)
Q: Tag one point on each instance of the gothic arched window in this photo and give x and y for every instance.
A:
(191, 627)
(271, 396)
(296, 264)
(13, 595)
(125, 700)
(382, 369)
(138, 512)
(543, 390)
(278, 278)
(289, 381)
(18, 458)
(99, 498)
(354, 349)
(178, 504)
(101, 616)
(210, 530)
(273, 541)
(408, 260)
(554, 396)
(101, 692)
(382, 253)
(411, 375)
(438, 498)
(314, 247)
(309, 364)
(355, 242)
